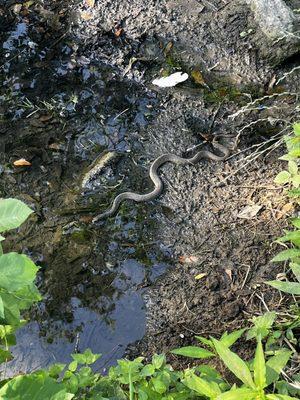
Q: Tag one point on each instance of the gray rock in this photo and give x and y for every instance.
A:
(274, 17)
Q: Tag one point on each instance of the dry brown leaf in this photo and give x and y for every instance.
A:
(286, 209)
(90, 3)
(229, 273)
(249, 212)
(188, 259)
(86, 16)
(45, 118)
(21, 163)
(118, 32)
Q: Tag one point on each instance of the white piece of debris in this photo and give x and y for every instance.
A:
(171, 80)
(249, 212)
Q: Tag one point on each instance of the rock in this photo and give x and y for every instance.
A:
(274, 17)
(279, 25)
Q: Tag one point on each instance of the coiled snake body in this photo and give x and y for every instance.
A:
(158, 185)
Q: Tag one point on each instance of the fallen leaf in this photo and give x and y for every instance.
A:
(86, 16)
(90, 3)
(168, 48)
(286, 209)
(249, 212)
(200, 276)
(229, 273)
(118, 32)
(21, 163)
(45, 118)
(188, 259)
(171, 80)
(197, 76)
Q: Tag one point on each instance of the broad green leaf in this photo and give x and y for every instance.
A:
(201, 386)
(296, 270)
(296, 181)
(262, 325)
(296, 128)
(148, 370)
(289, 254)
(283, 177)
(86, 358)
(13, 213)
(287, 287)
(259, 366)
(229, 339)
(296, 222)
(275, 364)
(294, 192)
(16, 271)
(287, 157)
(293, 237)
(158, 360)
(238, 394)
(159, 385)
(293, 167)
(2, 238)
(34, 387)
(234, 363)
(193, 352)
(280, 397)
(5, 356)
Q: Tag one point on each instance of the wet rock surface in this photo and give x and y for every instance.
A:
(77, 85)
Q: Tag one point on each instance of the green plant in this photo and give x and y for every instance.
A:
(290, 178)
(133, 380)
(17, 274)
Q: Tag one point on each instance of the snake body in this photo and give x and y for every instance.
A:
(158, 185)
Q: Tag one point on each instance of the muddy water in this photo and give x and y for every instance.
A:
(61, 109)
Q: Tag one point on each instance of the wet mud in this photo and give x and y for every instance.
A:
(76, 87)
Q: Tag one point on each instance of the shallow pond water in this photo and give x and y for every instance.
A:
(62, 106)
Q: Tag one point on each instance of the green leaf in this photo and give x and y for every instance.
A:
(234, 363)
(86, 358)
(296, 128)
(293, 237)
(294, 193)
(280, 397)
(229, 339)
(193, 352)
(148, 370)
(287, 287)
(13, 213)
(158, 360)
(296, 270)
(293, 167)
(159, 385)
(205, 341)
(2, 316)
(275, 364)
(34, 387)
(238, 394)
(287, 255)
(259, 366)
(201, 386)
(262, 325)
(296, 181)
(295, 222)
(283, 177)
(16, 271)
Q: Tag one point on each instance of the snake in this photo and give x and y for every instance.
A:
(158, 184)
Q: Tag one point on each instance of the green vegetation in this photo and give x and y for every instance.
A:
(291, 179)
(259, 378)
